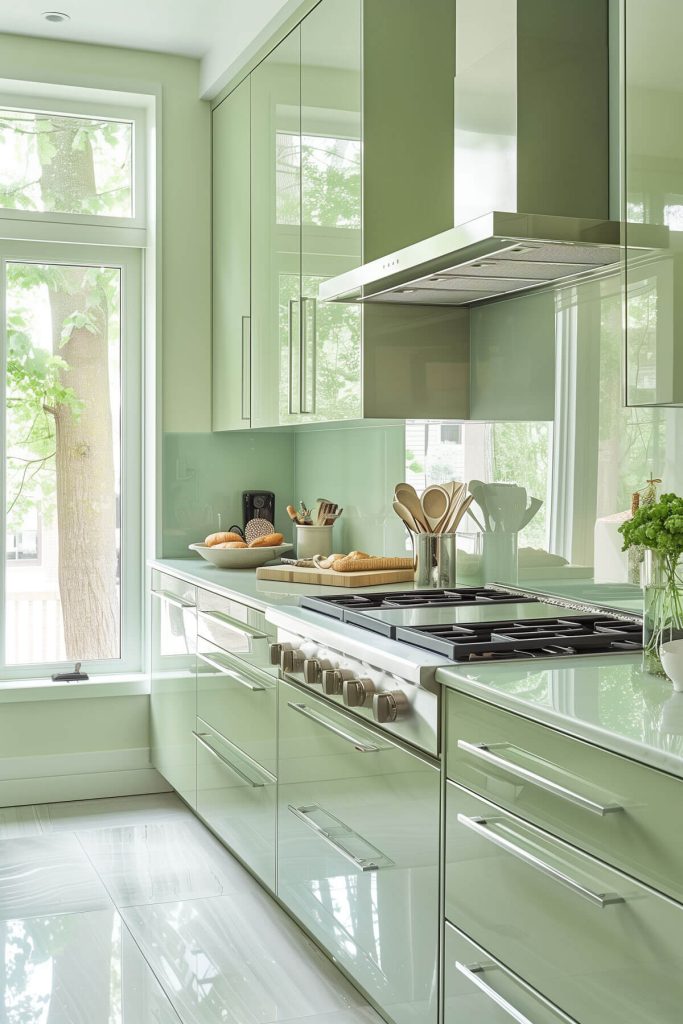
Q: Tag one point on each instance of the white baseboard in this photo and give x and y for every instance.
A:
(84, 775)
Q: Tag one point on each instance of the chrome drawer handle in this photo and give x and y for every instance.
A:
(362, 748)
(473, 972)
(200, 738)
(246, 632)
(488, 752)
(177, 602)
(482, 828)
(340, 837)
(225, 671)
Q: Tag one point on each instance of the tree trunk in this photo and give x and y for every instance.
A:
(84, 460)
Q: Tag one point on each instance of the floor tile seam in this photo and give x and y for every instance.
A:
(158, 979)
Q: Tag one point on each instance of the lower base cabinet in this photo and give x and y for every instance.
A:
(597, 943)
(479, 989)
(358, 851)
(236, 798)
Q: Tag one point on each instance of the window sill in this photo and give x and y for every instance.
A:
(126, 685)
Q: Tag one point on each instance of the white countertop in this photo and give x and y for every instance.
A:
(607, 700)
(243, 583)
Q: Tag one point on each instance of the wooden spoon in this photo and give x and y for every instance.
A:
(406, 515)
(407, 496)
(435, 503)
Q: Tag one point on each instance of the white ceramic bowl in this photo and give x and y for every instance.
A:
(671, 654)
(239, 558)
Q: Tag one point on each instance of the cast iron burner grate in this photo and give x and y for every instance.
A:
(338, 604)
(531, 638)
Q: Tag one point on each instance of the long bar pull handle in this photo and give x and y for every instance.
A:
(337, 833)
(473, 974)
(482, 827)
(248, 633)
(225, 671)
(199, 736)
(177, 602)
(290, 345)
(490, 753)
(246, 368)
(362, 748)
(304, 356)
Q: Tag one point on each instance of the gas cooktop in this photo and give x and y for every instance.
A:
(338, 604)
(511, 639)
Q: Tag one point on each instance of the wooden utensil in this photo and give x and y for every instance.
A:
(478, 492)
(435, 503)
(458, 513)
(406, 515)
(407, 496)
(457, 492)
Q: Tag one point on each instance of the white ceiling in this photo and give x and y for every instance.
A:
(223, 33)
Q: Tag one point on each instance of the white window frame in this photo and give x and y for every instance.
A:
(80, 227)
(132, 616)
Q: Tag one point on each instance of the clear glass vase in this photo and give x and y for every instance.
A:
(662, 606)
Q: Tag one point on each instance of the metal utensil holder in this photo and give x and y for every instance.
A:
(500, 557)
(434, 557)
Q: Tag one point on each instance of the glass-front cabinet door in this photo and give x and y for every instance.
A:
(276, 235)
(331, 240)
(231, 248)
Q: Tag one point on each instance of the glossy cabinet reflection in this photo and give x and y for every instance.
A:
(654, 194)
(331, 243)
(173, 696)
(276, 235)
(231, 369)
(358, 847)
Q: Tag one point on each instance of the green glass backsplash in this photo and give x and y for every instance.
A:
(204, 474)
(358, 468)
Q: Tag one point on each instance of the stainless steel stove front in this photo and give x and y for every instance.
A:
(405, 709)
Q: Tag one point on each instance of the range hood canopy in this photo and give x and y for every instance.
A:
(531, 141)
(494, 256)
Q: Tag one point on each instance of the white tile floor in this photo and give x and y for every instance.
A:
(128, 911)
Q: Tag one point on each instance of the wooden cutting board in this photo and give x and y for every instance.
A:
(330, 578)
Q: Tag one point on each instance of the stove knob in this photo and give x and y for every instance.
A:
(312, 672)
(333, 681)
(390, 705)
(291, 661)
(275, 652)
(358, 692)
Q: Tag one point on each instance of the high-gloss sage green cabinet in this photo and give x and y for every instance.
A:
(350, 114)
(231, 176)
(358, 851)
(173, 687)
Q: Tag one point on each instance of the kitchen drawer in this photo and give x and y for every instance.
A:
(358, 848)
(236, 628)
(619, 810)
(602, 947)
(176, 591)
(479, 988)
(238, 701)
(236, 798)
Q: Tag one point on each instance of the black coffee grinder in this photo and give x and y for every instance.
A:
(258, 505)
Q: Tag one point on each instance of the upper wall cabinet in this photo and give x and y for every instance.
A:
(653, 163)
(231, 254)
(351, 148)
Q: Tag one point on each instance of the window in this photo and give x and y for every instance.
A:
(71, 404)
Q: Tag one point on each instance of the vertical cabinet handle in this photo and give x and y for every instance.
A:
(290, 346)
(303, 377)
(246, 368)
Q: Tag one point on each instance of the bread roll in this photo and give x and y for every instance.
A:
(358, 554)
(222, 538)
(231, 544)
(271, 540)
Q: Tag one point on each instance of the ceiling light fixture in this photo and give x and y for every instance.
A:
(56, 16)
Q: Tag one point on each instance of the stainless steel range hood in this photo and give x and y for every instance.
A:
(532, 128)
(493, 256)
